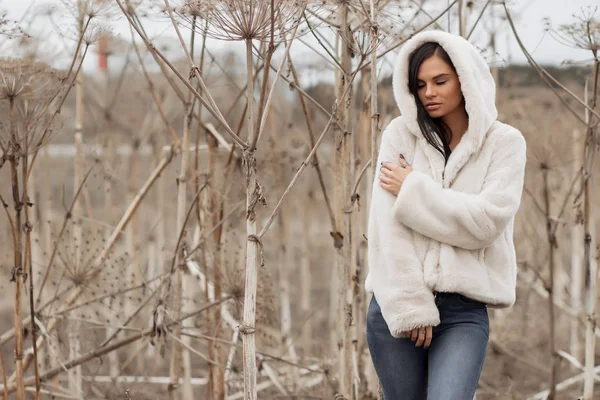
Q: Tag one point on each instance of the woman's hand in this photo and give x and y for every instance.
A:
(422, 335)
(393, 175)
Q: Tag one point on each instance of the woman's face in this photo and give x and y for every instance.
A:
(438, 87)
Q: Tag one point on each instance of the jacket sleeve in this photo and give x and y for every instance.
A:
(405, 301)
(469, 221)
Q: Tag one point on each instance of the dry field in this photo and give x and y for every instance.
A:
(133, 195)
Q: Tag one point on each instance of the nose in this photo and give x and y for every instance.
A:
(429, 92)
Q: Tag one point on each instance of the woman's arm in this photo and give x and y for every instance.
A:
(406, 302)
(469, 221)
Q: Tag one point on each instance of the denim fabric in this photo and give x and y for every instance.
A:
(449, 369)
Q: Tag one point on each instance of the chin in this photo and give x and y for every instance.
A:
(436, 113)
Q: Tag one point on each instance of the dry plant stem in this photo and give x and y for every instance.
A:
(545, 75)
(249, 353)
(46, 129)
(196, 352)
(74, 328)
(30, 271)
(176, 367)
(195, 72)
(99, 352)
(374, 98)
(550, 286)
(216, 384)
(187, 391)
(179, 259)
(163, 67)
(311, 135)
(332, 58)
(577, 233)
(4, 382)
(589, 264)
(262, 120)
(360, 176)
(213, 230)
(461, 18)
(8, 335)
(199, 129)
(19, 269)
(183, 45)
(106, 296)
(304, 164)
(306, 95)
(110, 243)
(420, 5)
(396, 45)
(342, 238)
(66, 219)
(210, 106)
(135, 312)
(497, 346)
(478, 19)
(265, 82)
(262, 353)
(152, 90)
(110, 103)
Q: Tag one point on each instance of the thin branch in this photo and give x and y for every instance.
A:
(68, 215)
(545, 75)
(210, 106)
(308, 158)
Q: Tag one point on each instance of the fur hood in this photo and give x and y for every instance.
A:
(477, 85)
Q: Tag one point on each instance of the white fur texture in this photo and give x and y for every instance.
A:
(450, 228)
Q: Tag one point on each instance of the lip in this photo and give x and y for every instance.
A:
(433, 106)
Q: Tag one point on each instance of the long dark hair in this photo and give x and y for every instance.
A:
(435, 131)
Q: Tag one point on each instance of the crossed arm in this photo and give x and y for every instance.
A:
(469, 221)
(405, 301)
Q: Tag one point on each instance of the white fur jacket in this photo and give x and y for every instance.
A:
(450, 229)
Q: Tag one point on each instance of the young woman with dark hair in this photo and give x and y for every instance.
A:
(441, 249)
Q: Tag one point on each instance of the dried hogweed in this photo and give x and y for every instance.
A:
(28, 94)
(243, 19)
(583, 34)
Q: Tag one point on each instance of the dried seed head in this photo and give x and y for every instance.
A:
(20, 78)
(94, 32)
(28, 91)
(387, 27)
(582, 34)
(243, 19)
(90, 8)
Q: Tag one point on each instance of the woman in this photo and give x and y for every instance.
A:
(441, 251)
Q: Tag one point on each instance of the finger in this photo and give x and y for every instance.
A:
(389, 165)
(421, 339)
(429, 337)
(414, 334)
(385, 171)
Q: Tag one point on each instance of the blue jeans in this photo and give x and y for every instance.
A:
(449, 369)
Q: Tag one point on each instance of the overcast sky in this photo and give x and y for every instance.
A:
(530, 25)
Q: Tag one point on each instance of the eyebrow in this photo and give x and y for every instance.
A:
(435, 77)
